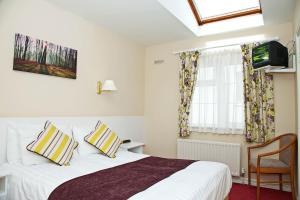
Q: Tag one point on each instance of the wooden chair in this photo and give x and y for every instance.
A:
(284, 165)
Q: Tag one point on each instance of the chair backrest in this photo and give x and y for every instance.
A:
(288, 154)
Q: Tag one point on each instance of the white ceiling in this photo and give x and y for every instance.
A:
(148, 22)
(144, 21)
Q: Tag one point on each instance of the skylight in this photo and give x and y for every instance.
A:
(207, 11)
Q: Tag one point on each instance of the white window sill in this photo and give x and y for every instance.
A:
(220, 132)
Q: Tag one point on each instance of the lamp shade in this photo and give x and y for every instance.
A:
(109, 85)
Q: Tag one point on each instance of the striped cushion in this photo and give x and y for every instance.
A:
(53, 144)
(104, 139)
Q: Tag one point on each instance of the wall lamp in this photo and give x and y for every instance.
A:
(107, 86)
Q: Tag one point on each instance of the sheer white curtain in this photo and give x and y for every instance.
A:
(218, 104)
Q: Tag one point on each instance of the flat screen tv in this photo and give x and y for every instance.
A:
(269, 54)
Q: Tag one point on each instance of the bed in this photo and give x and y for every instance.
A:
(200, 180)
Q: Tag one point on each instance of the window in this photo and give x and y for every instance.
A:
(218, 104)
(207, 11)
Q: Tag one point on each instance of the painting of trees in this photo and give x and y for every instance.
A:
(42, 57)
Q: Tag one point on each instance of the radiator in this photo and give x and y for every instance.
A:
(227, 153)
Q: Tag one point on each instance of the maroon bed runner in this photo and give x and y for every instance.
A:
(121, 182)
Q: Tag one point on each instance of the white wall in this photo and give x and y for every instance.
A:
(102, 55)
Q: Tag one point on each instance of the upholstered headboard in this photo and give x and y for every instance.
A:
(127, 127)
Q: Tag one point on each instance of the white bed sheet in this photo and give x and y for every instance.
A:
(201, 180)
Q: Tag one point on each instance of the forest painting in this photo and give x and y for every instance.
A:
(42, 57)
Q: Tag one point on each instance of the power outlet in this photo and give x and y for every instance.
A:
(243, 171)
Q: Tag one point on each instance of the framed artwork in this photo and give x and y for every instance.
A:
(42, 57)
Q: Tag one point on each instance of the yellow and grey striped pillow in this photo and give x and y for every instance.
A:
(104, 139)
(54, 145)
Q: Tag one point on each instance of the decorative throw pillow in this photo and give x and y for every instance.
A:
(104, 139)
(53, 144)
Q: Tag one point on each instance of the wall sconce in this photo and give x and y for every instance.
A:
(108, 85)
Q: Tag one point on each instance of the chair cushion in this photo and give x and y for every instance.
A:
(285, 156)
(269, 163)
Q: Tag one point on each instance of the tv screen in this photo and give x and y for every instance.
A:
(261, 54)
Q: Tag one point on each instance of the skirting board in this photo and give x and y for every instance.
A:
(243, 180)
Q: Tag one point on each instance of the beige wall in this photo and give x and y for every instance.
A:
(162, 94)
(297, 15)
(296, 26)
(101, 55)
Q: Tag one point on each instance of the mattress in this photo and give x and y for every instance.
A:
(200, 180)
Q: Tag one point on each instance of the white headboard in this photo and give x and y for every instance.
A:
(127, 127)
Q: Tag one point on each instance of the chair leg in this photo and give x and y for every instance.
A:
(293, 185)
(257, 185)
(280, 182)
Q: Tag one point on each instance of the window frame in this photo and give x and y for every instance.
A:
(222, 17)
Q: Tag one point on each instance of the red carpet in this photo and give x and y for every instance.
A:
(245, 192)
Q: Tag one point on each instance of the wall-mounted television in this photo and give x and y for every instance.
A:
(269, 54)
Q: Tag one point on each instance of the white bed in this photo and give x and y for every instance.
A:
(199, 181)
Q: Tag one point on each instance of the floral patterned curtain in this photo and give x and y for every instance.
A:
(187, 81)
(259, 100)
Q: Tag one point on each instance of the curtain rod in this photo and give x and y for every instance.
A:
(227, 45)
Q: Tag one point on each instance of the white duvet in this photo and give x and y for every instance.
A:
(200, 181)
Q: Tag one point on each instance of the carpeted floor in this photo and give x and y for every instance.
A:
(245, 192)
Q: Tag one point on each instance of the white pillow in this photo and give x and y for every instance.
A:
(83, 148)
(26, 136)
(13, 150)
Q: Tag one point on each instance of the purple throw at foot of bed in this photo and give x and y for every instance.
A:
(121, 182)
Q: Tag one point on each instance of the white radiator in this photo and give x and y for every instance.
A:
(227, 153)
